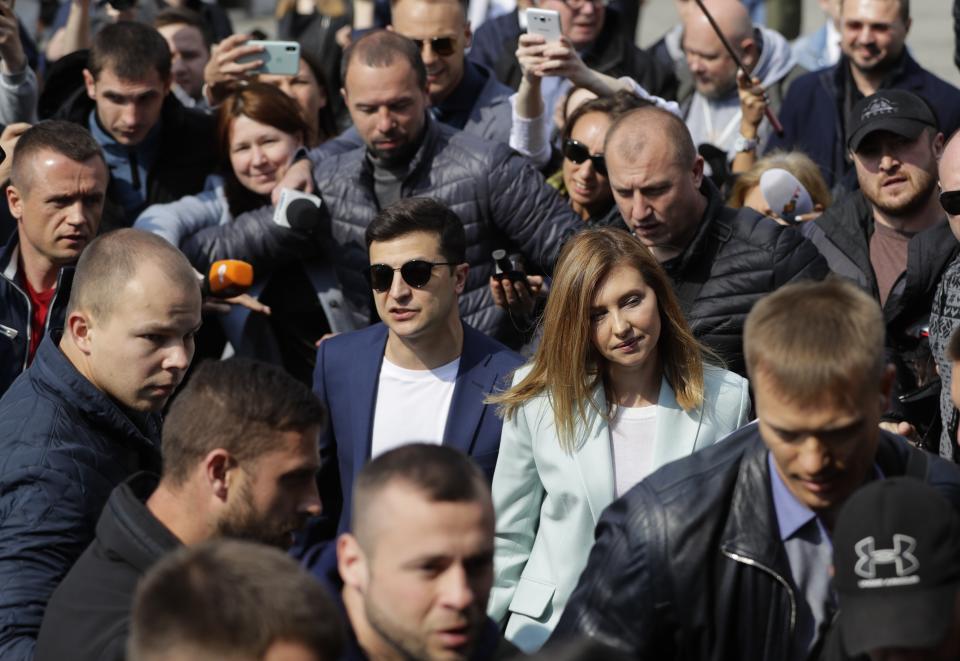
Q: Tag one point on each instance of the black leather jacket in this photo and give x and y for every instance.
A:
(689, 563)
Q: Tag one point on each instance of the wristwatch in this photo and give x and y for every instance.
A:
(742, 144)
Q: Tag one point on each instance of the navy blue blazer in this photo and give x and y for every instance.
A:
(346, 379)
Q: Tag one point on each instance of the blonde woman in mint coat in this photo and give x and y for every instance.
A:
(617, 388)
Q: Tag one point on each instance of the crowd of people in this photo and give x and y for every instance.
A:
(465, 342)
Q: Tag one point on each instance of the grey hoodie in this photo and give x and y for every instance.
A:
(776, 62)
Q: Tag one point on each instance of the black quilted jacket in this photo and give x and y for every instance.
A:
(736, 257)
(500, 197)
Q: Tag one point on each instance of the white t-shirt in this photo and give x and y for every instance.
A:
(412, 405)
(632, 434)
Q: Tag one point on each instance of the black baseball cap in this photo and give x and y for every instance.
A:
(896, 556)
(896, 111)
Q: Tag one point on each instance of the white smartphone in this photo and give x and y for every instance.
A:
(279, 57)
(545, 22)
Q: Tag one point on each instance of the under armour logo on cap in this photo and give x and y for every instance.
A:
(901, 556)
(878, 106)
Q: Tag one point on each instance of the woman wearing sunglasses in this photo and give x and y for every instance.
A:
(617, 387)
(260, 130)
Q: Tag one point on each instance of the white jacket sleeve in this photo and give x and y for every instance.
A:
(18, 97)
(530, 136)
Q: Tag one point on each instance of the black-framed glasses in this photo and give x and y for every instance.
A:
(442, 46)
(415, 273)
(578, 153)
(950, 201)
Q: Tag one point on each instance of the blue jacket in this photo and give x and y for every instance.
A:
(346, 380)
(815, 108)
(15, 313)
(64, 446)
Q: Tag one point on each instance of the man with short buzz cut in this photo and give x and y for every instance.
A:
(240, 459)
(500, 197)
(721, 260)
(232, 600)
(873, 41)
(726, 554)
(423, 374)
(708, 92)
(156, 150)
(416, 570)
(53, 161)
(189, 40)
(891, 237)
(85, 415)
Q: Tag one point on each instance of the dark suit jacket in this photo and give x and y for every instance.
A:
(346, 380)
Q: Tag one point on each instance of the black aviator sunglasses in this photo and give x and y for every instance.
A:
(578, 153)
(950, 201)
(415, 273)
(442, 46)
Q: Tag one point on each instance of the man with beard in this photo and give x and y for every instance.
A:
(416, 569)
(873, 36)
(240, 459)
(891, 237)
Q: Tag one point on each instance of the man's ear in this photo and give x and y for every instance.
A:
(219, 469)
(749, 53)
(460, 273)
(167, 84)
(886, 386)
(468, 34)
(346, 99)
(90, 83)
(351, 562)
(15, 202)
(80, 330)
(697, 171)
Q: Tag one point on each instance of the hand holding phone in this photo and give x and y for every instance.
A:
(544, 22)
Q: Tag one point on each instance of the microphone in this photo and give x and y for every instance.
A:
(298, 210)
(227, 278)
(785, 195)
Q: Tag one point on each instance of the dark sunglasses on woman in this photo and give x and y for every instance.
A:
(578, 153)
(415, 273)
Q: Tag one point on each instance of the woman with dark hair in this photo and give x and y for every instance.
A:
(260, 130)
(309, 88)
(618, 386)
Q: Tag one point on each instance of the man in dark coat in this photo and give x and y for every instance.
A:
(53, 160)
(721, 260)
(726, 554)
(891, 237)
(874, 57)
(84, 416)
(156, 150)
(499, 196)
(240, 458)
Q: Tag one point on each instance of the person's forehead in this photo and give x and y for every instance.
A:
(949, 169)
(289, 450)
(109, 81)
(380, 84)
(53, 173)
(418, 19)
(182, 36)
(650, 159)
(152, 296)
(883, 11)
(415, 526)
(413, 245)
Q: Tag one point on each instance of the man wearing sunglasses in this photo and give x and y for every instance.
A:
(421, 375)
(502, 200)
(464, 95)
(945, 315)
(891, 237)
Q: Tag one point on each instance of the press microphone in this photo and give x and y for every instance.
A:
(227, 278)
(785, 195)
(298, 210)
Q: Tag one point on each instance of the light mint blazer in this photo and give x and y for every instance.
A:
(548, 502)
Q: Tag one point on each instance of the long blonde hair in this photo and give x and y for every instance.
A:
(567, 366)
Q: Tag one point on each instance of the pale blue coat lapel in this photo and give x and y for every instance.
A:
(676, 437)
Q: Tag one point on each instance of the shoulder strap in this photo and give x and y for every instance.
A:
(917, 464)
